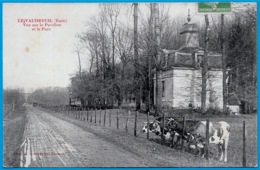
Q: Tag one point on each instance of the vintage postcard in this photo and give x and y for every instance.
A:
(130, 84)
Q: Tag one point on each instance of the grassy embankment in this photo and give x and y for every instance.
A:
(13, 129)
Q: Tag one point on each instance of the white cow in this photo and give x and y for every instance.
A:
(218, 134)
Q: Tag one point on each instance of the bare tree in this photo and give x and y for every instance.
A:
(150, 55)
(78, 51)
(224, 83)
(136, 59)
(124, 47)
(204, 70)
(112, 12)
(13, 98)
(158, 60)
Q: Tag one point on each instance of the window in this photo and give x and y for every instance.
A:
(198, 59)
(163, 88)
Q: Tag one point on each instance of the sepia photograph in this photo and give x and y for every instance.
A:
(129, 84)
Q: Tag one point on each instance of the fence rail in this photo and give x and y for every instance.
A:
(131, 121)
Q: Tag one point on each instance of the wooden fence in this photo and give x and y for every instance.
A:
(130, 122)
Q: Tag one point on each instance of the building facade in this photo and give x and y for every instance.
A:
(181, 78)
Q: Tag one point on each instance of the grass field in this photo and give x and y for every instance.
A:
(13, 124)
(235, 143)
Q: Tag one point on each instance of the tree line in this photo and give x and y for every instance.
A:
(13, 98)
(49, 96)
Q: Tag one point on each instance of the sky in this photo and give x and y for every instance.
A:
(36, 59)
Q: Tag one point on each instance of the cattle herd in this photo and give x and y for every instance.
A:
(192, 135)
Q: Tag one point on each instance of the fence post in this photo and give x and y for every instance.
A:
(135, 123)
(148, 125)
(117, 119)
(87, 113)
(95, 114)
(91, 115)
(244, 144)
(162, 135)
(80, 113)
(126, 128)
(76, 112)
(83, 114)
(105, 116)
(183, 130)
(100, 116)
(109, 118)
(207, 140)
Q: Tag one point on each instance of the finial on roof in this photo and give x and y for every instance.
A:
(188, 15)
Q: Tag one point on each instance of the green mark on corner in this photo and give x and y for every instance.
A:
(214, 7)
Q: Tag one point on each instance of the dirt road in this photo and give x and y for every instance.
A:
(52, 142)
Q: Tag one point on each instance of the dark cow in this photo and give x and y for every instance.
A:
(157, 128)
(170, 130)
(197, 144)
(176, 126)
(145, 127)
